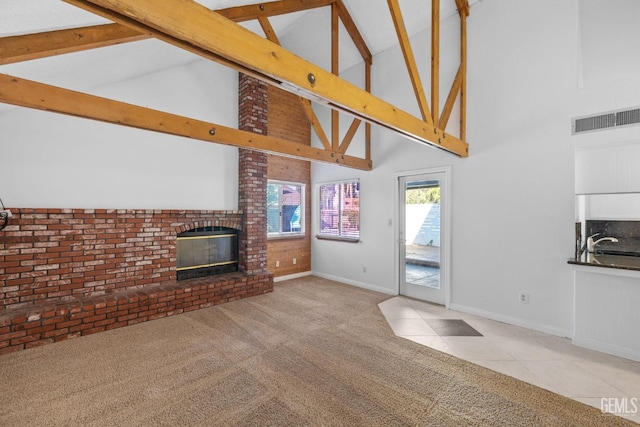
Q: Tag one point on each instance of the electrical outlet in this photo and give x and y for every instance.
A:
(364, 269)
(6, 213)
(277, 263)
(524, 298)
(294, 261)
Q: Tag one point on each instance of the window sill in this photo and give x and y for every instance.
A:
(286, 237)
(338, 238)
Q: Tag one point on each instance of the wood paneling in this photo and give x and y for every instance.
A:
(287, 120)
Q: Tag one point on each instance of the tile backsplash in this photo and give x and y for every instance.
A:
(627, 233)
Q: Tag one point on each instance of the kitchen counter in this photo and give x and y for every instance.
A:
(620, 262)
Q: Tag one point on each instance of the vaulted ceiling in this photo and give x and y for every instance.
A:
(309, 32)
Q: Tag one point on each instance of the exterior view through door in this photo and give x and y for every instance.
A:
(421, 237)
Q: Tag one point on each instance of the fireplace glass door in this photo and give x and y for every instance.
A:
(205, 253)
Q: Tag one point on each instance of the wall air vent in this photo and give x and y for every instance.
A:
(611, 119)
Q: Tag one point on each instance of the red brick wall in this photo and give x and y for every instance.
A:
(252, 179)
(63, 254)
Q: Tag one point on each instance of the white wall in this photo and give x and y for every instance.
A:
(607, 70)
(50, 160)
(609, 30)
(513, 199)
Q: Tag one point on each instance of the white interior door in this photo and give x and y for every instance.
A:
(423, 236)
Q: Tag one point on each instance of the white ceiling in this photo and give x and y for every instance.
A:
(98, 67)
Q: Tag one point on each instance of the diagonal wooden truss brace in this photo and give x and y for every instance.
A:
(160, 24)
(412, 66)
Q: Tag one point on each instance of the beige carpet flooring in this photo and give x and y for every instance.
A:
(313, 352)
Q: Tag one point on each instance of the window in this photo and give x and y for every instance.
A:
(340, 210)
(285, 208)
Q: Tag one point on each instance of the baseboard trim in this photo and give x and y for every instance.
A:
(292, 276)
(355, 283)
(602, 347)
(540, 327)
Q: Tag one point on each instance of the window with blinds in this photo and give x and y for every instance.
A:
(340, 210)
(285, 208)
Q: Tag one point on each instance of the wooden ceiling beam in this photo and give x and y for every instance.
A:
(26, 93)
(41, 45)
(188, 24)
(50, 43)
(282, 7)
(33, 46)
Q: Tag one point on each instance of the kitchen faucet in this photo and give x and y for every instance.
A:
(591, 244)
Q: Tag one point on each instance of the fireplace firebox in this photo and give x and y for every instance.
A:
(206, 251)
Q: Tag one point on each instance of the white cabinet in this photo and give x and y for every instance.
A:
(614, 169)
(606, 315)
(634, 168)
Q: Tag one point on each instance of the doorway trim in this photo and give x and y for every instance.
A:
(445, 254)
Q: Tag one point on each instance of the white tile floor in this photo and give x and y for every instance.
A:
(544, 360)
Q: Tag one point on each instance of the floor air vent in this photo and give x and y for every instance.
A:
(612, 119)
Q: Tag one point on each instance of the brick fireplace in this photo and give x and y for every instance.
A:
(71, 272)
(56, 255)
